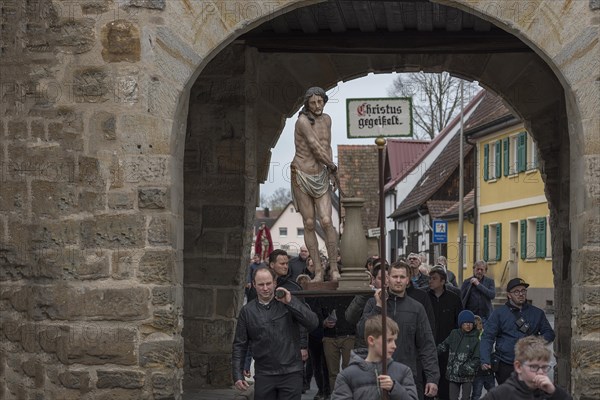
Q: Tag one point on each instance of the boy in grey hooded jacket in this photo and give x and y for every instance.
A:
(363, 379)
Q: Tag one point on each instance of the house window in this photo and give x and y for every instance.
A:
(492, 163)
(300, 232)
(534, 238)
(283, 232)
(492, 242)
(532, 159)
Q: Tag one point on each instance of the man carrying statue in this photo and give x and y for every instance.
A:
(313, 176)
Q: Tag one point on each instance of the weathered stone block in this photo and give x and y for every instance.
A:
(121, 394)
(17, 130)
(209, 242)
(67, 138)
(89, 172)
(13, 196)
(114, 232)
(589, 260)
(163, 295)
(50, 235)
(95, 344)
(585, 355)
(94, 6)
(91, 201)
(95, 266)
(208, 336)
(91, 85)
(106, 125)
(159, 231)
(120, 41)
(227, 302)
(121, 200)
(124, 263)
(213, 271)
(235, 241)
(69, 303)
(38, 130)
(157, 267)
(75, 379)
(74, 36)
(198, 302)
(163, 386)
(53, 199)
(166, 321)
(220, 369)
(162, 354)
(222, 216)
(152, 198)
(110, 379)
(588, 321)
(152, 4)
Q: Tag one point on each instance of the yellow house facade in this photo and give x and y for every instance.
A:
(513, 233)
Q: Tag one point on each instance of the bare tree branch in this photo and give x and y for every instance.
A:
(436, 99)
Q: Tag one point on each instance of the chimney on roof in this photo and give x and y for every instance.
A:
(266, 212)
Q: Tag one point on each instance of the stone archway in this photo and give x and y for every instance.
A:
(92, 210)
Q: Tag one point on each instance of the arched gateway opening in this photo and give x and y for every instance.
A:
(240, 100)
(134, 133)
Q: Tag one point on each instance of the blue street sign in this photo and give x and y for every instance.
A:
(440, 231)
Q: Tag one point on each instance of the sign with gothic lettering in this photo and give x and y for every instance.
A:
(388, 117)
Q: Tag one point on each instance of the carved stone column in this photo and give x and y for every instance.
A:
(353, 247)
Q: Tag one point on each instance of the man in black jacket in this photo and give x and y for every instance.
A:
(415, 340)
(446, 307)
(270, 327)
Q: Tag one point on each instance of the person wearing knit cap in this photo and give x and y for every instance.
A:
(463, 359)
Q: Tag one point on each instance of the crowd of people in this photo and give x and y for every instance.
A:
(442, 341)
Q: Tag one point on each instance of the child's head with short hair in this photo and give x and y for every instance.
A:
(532, 361)
(303, 280)
(374, 333)
(532, 348)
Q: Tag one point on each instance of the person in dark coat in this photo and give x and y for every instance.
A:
(270, 327)
(478, 291)
(530, 380)
(507, 324)
(446, 308)
(415, 340)
(297, 264)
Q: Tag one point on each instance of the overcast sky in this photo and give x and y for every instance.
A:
(373, 85)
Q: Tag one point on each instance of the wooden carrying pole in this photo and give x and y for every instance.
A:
(380, 142)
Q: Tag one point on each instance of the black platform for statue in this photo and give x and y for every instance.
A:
(324, 289)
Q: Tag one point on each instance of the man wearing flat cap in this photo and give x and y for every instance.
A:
(509, 323)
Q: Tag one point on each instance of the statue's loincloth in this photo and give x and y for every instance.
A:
(313, 185)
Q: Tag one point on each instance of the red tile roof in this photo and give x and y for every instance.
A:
(437, 207)
(468, 205)
(490, 109)
(474, 101)
(402, 155)
(441, 169)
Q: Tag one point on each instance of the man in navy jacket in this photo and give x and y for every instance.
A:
(478, 291)
(509, 323)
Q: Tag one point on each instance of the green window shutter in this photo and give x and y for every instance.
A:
(540, 237)
(486, 240)
(498, 159)
(506, 161)
(523, 239)
(486, 157)
(499, 242)
(522, 152)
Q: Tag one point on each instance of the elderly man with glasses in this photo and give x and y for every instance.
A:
(506, 325)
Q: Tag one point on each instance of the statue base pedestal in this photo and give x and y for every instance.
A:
(354, 280)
